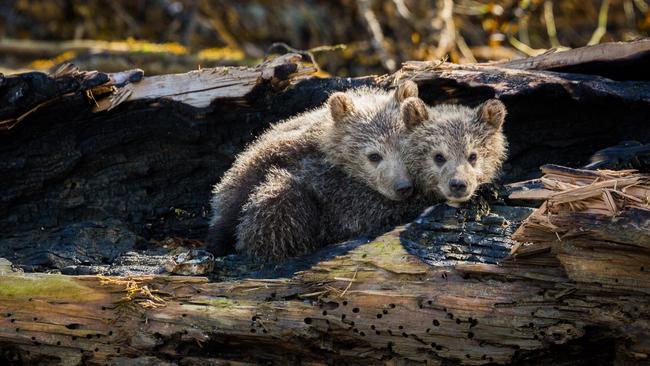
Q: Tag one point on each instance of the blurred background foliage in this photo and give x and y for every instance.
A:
(344, 37)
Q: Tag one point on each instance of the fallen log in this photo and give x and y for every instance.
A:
(96, 165)
(584, 301)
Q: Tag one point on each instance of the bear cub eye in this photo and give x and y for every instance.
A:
(375, 158)
(472, 158)
(439, 159)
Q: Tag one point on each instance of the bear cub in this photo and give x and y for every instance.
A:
(450, 150)
(326, 175)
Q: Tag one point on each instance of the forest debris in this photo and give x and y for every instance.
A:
(595, 196)
(200, 87)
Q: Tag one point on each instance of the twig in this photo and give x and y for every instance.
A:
(549, 19)
(464, 48)
(402, 10)
(354, 277)
(602, 24)
(377, 37)
(308, 53)
(522, 47)
(448, 32)
(641, 5)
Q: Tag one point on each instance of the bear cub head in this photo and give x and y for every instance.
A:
(452, 149)
(364, 138)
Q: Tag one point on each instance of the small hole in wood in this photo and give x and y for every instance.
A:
(307, 320)
(33, 338)
(183, 315)
(35, 318)
(253, 330)
(642, 268)
(110, 332)
(103, 307)
(404, 334)
(392, 306)
(324, 312)
(379, 316)
(438, 348)
(467, 355)
(377, 332)
(362, 334)
(13, 320)
(470, 335)
(355, 310)
(385, 311)
(390, 332)
(96, 349)
(345, 303)
(342, 316)
(58, 343)
(436, 322)
(372, 327)
(457, 321)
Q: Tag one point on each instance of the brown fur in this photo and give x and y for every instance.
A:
(309, 180)
(456, 132)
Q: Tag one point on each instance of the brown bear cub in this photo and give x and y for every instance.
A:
(451, 150)
(327, 175)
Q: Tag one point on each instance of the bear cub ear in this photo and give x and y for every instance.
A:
(405, 90)
(413, 112)
(341, 106)
(492, 112)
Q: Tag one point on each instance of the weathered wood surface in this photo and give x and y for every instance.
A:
(616, 60)
(579, 300)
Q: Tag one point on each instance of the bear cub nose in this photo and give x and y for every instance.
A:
(457, 187)
(404, 189)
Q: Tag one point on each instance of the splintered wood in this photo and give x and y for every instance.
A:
(572, 193)
(595, 223)
(603, 192)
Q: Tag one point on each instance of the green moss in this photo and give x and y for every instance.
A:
(50, 287)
